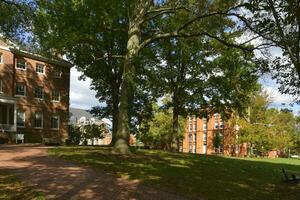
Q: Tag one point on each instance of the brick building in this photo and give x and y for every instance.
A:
(34, 95)
(200, 133)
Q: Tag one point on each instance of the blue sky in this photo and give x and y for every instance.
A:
(81, 96)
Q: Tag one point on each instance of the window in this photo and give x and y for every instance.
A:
(194, 117)
(20, 89)
(39, 93)
(195, 137)
(190, 137)
(205, 126)
(20, 118)
(57, 73)
(204, 120)
(205, 136)
(0, 85)
(55, 122)
(1, 58)
(55, 95)
(38, 120)
(221, 125)
(190, 118)
(190, 148)
(40, 69)
(190, 127)
(21, 64)
(216, 116)
(195, 127)
(216, 126)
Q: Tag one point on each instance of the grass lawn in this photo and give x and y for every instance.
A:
(211, 177)
(12, 188)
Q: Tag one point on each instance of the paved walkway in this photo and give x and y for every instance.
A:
(59, 179)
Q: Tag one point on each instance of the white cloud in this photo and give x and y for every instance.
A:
(81, 96)
(278, 100)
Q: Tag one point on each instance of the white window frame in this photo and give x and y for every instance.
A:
(216, 116)
(40, 65)
(190, 127)
(205, 126)
(58, 122)
(1, 85)
(20, 95)
(24, 118)
(1, 58)
(221, 125)
(35, 92)
(204, 136)
(42, 120)
(17, 62)
(194, 117)
(54, 100)
(216, 125)
(195, 127)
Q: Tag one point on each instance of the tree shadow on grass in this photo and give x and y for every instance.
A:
(195, 175)
(59, 179)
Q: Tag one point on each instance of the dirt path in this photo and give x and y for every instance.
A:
(59, 179)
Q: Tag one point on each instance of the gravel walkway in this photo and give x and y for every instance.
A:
(59, 179)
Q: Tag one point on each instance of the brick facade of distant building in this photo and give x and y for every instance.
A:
(34, 96)
(200, 133)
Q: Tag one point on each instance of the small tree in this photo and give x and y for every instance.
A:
(217, 141)
(74, 135)
(92, 131)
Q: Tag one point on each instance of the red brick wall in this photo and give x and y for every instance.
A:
(10, 75)
(228, 140)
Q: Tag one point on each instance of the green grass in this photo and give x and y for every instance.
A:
(12, 188)
(211, 177)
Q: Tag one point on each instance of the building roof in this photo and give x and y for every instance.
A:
(77, 112)
(14, 48)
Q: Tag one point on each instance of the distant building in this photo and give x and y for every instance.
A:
(81, 118)
(200, 133)
(34, 95)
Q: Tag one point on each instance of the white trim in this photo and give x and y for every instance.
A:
(1, 58)
(40, 73)
(25, 90)
(1, 86)
(18, 95)
(17, 64)
(4, 48)
(59, 99)
(43, 93)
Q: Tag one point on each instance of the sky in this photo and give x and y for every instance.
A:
(81, 96)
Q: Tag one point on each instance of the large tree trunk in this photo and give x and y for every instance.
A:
(115, 119)
(127, 88)
(175, 143)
